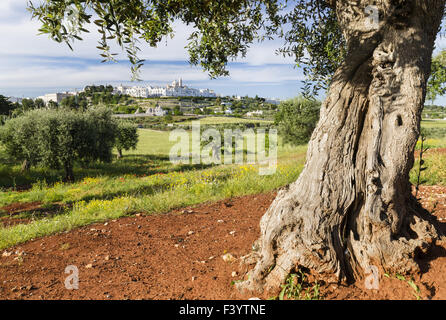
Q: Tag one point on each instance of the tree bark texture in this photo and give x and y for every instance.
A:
(352, 206)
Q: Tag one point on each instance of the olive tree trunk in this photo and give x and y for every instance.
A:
(69, 174)
(25, 165)
(352, 206)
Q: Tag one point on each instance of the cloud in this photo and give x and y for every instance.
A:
(19, 34)
(265, 73)
(48, 71)
(13, 10)
(32, 64)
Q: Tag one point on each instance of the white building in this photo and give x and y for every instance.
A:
(229, 111)
(157, 111)
(175, 89)
(254, 113)
(55, 97)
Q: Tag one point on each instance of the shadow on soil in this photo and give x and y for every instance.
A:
(24, 213)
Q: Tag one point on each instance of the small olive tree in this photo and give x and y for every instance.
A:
(297, 118)
(58, 138)
(19, 140)
(126, 137)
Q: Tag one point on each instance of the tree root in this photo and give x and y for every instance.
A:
(284, 247)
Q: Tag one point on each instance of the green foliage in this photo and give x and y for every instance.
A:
(411, 282)
(297, 119)
(90, 90)
(127, 136)
(19, 139)
(433, 111)
(39, 104)
(6, 106)
(74, 102)
(57, 138)
(17, 109)
(177, 111)
(223, 30)
(28, 104)
(315, 40)
(153, 190)
(98, 95)
(168, 117)
(296, 287)
(123, 109)
(436, 85)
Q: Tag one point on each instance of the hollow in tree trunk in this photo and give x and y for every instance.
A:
(352, 206)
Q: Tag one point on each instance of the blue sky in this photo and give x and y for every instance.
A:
(32, 65)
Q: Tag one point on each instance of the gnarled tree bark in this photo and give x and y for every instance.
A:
(352, 206)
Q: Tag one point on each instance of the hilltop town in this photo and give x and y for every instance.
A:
(175, 89)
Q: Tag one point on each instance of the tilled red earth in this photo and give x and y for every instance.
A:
(179, 256)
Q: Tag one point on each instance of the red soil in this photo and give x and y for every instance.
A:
(20, 207)
(32, 211)
(431, 151)
(179, 256)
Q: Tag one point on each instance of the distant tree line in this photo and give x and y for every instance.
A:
(11, 109)
(434, 112)
(96, 95)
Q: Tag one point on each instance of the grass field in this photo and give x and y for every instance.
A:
(145, 181)
(433, 124)
(152, 142)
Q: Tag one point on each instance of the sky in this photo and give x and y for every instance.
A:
(32, 65)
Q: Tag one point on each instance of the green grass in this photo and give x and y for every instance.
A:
(100, 199)
(433, 123)
(435, 174)
(145, 181)
(296, 287)
(151, 156)
(434, 129)
(434, 161)
(152, 142)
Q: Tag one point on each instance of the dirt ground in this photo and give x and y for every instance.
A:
(179, 256)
